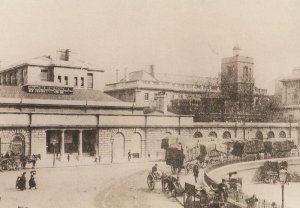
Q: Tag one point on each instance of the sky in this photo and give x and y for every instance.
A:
(177, 36)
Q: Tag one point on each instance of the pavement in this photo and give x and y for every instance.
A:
(83, 183)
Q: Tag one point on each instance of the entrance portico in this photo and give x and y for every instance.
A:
(72, 141)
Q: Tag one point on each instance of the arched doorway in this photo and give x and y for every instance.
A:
(282, 134)
(259, 135)
(17, 145)
(212, 134)
(118, 142)
(270, 134)
(136, 145)
(198, 134)
(226, 135)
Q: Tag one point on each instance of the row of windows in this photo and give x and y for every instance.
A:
(66, 80)
(11, 78)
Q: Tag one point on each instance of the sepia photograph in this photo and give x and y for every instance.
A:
(150, 104)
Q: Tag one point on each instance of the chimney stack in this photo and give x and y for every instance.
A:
(125, 74)
(117, 75)
(64, 55)
(151, 70)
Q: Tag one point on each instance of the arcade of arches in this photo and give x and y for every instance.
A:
(117, 142)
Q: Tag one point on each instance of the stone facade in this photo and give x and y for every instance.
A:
(116, 135)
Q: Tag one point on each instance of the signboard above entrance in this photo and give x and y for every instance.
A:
(49, 89)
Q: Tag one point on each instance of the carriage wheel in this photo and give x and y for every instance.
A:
(5, 165)
(267, 180)
(150, 182)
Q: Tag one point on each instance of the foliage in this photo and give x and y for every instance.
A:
(238, 149)
(268, 147)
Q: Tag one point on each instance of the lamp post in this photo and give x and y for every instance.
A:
(112, 149)
(282, 178)
(54, 143)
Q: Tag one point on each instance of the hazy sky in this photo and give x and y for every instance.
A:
(183, 37)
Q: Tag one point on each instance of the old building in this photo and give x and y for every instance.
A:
(235, 86)
(43, 117)
(290, 92)
(46, 71)
(147, 87)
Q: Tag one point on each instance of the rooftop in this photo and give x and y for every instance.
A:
(78, 95)
(49, 61)
(174, 78)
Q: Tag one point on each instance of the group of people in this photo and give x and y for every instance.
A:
(21, 181)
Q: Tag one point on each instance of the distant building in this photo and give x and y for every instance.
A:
(147, 87)
(291, 95)
(46, 71)
(235, 83)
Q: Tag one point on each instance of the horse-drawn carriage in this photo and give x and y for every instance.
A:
(15, 162)
(269, 172)
(181, 153)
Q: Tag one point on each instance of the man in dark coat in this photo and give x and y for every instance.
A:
(196, 171)
(21, 182)
(223, 190)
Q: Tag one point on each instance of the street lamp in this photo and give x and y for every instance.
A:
(54, 143)
(282, 178)
(112, 149)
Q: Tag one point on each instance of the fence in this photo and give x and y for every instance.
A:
(260, 203)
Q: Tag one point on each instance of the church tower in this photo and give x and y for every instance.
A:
(237, 82)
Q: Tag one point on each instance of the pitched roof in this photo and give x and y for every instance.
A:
(139, 75)
(78, 94)
(48, 61)
(174, 78)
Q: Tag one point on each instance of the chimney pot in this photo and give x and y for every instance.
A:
(151, 70)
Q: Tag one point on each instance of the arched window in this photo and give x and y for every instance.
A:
(282, 134)
(198, 134)
(271, 134)
(226, 135)
(259, 135)
(213, 134)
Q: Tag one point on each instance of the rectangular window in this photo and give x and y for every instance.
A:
(82, 82)
(90, 80)
(146, 96)
(44, 74)
(59, 79)
(13, 78)
(75, 81)
(66, 80)
(7, 78)
(24, 76)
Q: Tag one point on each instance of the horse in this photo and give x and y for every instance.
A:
(30, 159)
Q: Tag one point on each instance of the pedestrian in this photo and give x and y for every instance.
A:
(21, 182)
(129, 156)
(99, 159)
(68, 157)
(251, 202)
(148, 155)
(223, 191)
(32, 183)
(196, 171)
(96, 160)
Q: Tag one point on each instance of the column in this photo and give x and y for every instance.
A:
(62, 143)
(80, 142)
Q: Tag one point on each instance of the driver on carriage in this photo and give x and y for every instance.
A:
(223, 190)
(155, 172)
